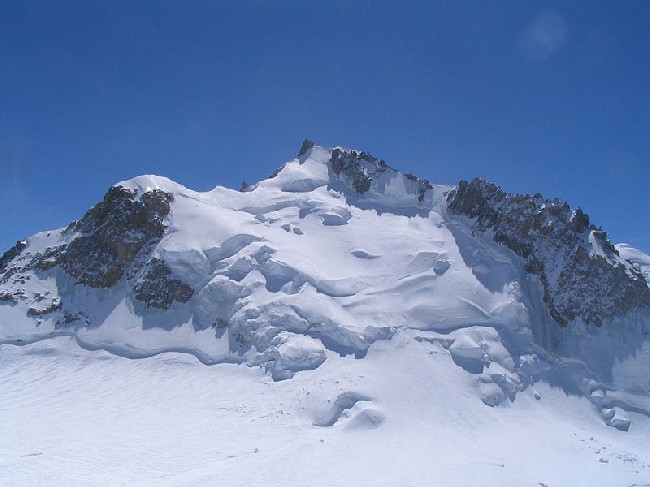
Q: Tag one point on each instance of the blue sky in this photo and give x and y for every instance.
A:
(550, 97)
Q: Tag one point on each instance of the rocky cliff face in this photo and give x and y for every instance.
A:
(583, 276)
(157, 288)
(111, 241)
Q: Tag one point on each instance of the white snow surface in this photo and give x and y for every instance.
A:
(404, 415)
(332, 339)
(638, 258)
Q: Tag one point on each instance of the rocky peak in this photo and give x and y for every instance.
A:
(104, 242)
(115, 239)
(359, 169)
(364, 180)
(306, 146)
(113, 233)
(11, 254)
(582, 274)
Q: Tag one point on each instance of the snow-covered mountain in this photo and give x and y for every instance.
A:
(338, 256)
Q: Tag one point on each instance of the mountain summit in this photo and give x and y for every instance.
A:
(332, 253)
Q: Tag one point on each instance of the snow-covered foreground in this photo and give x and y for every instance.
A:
(404, 415)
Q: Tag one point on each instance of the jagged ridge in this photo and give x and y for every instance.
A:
(582, 273)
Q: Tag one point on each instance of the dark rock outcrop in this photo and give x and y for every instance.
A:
(157, 288)
(6, 270)
(11, 254)
(110, 238)
(54, 305)
(582, 275)
(350, 164)
(306, 146)
(359, 168)
(113, 233)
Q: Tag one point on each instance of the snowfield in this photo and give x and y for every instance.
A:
(332, 325)
(403, 415)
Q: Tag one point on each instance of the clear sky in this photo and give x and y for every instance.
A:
(550, 97)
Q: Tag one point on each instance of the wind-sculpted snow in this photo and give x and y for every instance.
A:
(637, 258)
(334, 253)
(342, 403)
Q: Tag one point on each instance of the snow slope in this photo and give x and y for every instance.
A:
(79, 418)
(335, 314)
